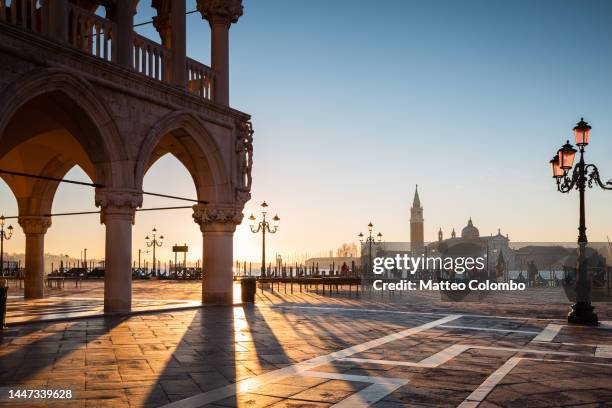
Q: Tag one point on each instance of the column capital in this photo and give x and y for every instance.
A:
(217, 217)
(162, 21)
(118, 202)
(220, 11)
(163, 25)
(34, 224)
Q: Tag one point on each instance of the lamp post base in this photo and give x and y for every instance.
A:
(582, 313)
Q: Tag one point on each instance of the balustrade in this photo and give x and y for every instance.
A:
(150, 58)
(27, 14)
(199, 78)
(91, 33)
(95, 35)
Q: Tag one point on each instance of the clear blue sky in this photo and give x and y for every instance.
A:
(355, 102)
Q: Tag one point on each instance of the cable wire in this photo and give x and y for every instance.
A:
(83, 183)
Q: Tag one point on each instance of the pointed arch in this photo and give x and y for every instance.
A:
(187, 138)
(94, 127)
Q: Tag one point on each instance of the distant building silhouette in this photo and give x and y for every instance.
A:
(417, 239)
(497, 245)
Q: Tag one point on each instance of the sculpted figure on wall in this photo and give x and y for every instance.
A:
(244, 154)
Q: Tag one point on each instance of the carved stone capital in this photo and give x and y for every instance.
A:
(109, 5)
(34, 224)
(220, 11)
(118, 202)
(163, 25)
(217, 216)
(162, 21)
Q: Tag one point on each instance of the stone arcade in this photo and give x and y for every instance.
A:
(81, 89)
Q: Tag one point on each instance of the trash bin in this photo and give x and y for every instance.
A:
(248, 287)
(3, 297)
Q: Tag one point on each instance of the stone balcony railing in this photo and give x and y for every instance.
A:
(24, 13)
(96, 36)
(91, 33)
(151, 59)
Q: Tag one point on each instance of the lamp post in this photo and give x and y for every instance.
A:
(263, 226)
(370, 240)
(4, 235)
(582, 176)
(153, 243)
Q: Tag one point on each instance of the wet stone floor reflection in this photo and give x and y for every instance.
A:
(309, 355)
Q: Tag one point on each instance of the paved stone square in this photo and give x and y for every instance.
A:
(309, 350)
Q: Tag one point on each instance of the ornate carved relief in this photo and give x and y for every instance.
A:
(122, 202)
(224, 11)
(161, 21)
(204, 214)
(34, 224)
(244, 162)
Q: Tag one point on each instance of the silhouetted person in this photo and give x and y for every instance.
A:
(344, 269)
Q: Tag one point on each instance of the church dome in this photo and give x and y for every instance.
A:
(470, 231)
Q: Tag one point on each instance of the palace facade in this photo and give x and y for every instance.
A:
(79, 87)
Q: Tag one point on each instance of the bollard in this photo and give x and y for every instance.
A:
(248, 286)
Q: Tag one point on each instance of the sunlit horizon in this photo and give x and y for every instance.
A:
(350, 116)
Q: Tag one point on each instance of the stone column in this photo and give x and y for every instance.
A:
(118, 208)
(35, 227)
(179, 43)
(122, 13)
(57, 19)
(217, 223)
(220, 15)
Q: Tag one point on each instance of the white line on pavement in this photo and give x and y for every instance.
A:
(549, 333)
(476, 397)
(606, 324)
(296, 369)
(369, 395)
(429, 362)
(454, 350)
(353, 309)
(380, 388)
(487, 386)
(603, 351)
(446, 326)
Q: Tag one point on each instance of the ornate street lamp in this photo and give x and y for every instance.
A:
(263, 226)
(153, 243)
(370, 241)
(4, 235)
(582, 176)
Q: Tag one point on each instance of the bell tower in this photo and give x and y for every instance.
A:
(417, 241)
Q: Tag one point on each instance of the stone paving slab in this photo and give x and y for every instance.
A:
(545, 303)
(311, 352)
